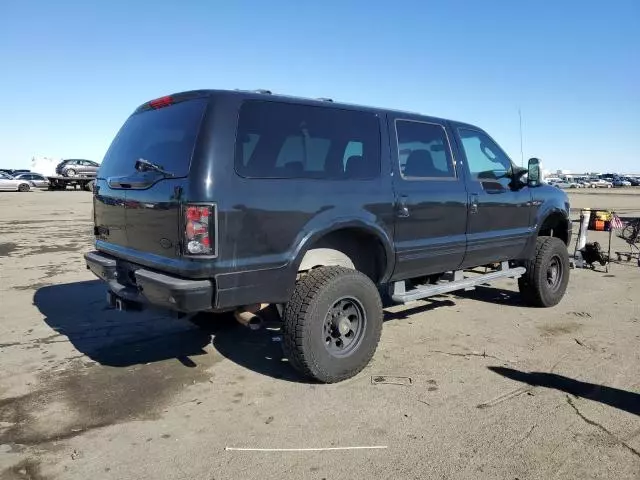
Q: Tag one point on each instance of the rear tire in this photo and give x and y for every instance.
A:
(332, 324)
(24, 187)
(545, 281)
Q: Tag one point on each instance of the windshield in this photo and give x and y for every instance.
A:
(165, 137)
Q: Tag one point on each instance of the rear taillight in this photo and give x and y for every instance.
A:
(199, 230)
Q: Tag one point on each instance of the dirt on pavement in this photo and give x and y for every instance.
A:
(472, 385)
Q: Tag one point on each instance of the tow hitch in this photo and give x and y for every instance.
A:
(121, 304)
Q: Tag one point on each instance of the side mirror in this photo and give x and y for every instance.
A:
(534, 173)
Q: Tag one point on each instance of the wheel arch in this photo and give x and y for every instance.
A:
(556, 224)
(350, 244)
(553, 221)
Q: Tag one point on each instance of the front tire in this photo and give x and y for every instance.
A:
(545, 281)
(70, 173)
(332, 324)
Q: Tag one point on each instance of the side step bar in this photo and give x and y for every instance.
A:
(459, 282)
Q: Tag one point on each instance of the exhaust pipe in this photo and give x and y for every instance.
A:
(248, 315)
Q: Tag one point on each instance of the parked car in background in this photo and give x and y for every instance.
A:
(12, 171)
(35, 179)
(635, 182)
(8, 183)
(619, 182)
(77, 167)
(581, 182)
(600, 183)
(560, 183)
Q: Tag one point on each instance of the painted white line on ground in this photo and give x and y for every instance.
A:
(233, 449)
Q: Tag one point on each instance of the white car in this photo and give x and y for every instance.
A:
(8, 183)
(35, 179)
(601, 184)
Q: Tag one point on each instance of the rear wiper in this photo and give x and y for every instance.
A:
(143, 165)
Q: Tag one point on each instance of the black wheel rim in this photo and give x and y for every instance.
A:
(344, 327)
(554, 273)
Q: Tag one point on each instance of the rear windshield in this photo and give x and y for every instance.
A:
(284, 140)
(165, 137)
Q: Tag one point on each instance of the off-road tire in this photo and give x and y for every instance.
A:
(24, 187)
(305, 315)
(535, 285)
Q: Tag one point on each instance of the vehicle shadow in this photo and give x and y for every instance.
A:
(614, 397)
(497, 296)
(79, 312)
(109, 337)
(261, 351)
(425, 305)
(257, 350)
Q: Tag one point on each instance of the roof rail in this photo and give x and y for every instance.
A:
(325, 99)
(263, 91)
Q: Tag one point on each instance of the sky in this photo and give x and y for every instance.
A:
(72, 71)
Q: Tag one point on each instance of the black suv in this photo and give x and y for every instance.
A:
(219, 201)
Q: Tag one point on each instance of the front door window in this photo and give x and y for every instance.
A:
(487, 162)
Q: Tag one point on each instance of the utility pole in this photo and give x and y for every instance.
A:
(521, 149)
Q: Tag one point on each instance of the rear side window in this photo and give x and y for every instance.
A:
(423, 151)
(282, 140)
(165, 136)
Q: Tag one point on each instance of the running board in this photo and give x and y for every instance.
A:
(459, 282)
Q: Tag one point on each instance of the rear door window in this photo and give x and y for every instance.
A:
(283, 140)
(423, 151)
(165, 137)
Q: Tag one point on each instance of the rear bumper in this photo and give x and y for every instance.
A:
(140, 285)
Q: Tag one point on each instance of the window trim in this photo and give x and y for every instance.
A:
(472, 177)
(379, 172)
(455, 177)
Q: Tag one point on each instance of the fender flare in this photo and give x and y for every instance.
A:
(307, 242)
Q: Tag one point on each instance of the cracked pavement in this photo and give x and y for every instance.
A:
(496, 390)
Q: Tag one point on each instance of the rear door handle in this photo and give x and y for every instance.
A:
(473, 203)
(401, 205)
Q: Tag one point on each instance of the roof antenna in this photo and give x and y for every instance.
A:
(521, 149)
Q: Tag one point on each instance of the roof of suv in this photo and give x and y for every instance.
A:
(266, 94)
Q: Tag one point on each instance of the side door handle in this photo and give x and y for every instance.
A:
(473, 203)
(402, 210)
